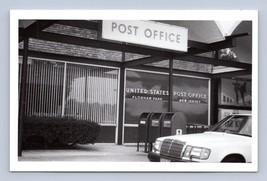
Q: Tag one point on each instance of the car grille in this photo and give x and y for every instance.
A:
(172, 148)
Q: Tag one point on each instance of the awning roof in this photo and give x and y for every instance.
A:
(201, 31)
(49, 37)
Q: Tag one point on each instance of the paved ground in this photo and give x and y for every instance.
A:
(96, 153)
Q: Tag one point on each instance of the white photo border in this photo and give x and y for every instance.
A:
(16, 165)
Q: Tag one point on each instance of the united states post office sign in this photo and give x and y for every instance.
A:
(147, 33)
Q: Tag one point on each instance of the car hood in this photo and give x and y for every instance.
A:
(202, 139)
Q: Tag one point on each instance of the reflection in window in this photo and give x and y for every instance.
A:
(91, 93)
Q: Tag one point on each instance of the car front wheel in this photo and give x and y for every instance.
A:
(233, 159)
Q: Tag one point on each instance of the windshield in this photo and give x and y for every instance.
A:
(240, 125)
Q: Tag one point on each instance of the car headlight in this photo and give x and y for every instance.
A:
(156, 146)
(197, 152)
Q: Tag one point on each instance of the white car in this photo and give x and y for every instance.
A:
(227, 141)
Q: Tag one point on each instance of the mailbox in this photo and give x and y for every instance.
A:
(154, 127)
(171, 123)
(143, 129)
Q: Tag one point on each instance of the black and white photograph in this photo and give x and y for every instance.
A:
(134, 90)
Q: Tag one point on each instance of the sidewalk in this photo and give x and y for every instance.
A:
(99, 152)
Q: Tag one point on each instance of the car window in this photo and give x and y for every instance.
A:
(247, 128)
(240, 125)
(214, 127)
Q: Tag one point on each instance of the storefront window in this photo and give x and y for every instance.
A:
(44, 88)
(236, 92)
(90, 92)
(149, 92)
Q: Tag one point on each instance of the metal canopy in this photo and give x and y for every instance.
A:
(36, 30)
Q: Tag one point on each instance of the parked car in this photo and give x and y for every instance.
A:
(227, 141)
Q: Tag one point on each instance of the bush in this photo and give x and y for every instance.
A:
(46, 131)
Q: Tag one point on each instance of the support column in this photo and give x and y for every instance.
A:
(170, 85)
(121, 102)
(22, 98)
(214, 98)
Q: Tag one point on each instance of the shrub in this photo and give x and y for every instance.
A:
(46, 131)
